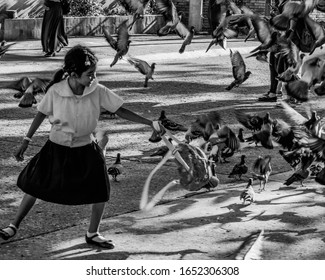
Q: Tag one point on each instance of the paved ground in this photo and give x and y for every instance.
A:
(207, 225)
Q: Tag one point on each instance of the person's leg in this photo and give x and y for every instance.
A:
(92, 235)
(25, 206)
(271, 94)
(96, 217)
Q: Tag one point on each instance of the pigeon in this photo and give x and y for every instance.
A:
(238, 70)
(248, 195)
(262, 170)
(283, 134)
(198, 128)
(240, 135)
(143, 67)
(188, 39)
(239, 169)
(161, 151)
(303, 172)
(291, 157)
(116, 169)
(135, 7)
(252, 122)
(169, 12)
(4, 47)
(169, 124)
(264, 136)
(28, 96)
(121, 45)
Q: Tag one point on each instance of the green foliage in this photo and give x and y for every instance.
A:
(82, 8)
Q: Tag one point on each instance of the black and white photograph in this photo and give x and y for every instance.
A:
(165, 130)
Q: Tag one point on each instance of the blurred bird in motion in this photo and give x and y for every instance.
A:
(188, 39)
(28, 88)
(4, 47)
(135, 7)
(238, 70)
(143, 67)
(121, 45)
(262, 170)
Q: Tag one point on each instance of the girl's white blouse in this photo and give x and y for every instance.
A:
(74, 117)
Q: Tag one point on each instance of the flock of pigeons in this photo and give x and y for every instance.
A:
(289, 32)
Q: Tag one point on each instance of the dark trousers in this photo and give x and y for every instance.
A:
(277, 66)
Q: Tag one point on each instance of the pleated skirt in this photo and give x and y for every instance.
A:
(64, 175)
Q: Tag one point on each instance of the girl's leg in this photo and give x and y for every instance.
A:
(25, 206)
(96, 216)
(93, 236)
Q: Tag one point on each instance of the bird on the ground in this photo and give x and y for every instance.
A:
(101, 139)
(4, 47)
(135, 7)
(116, 169)
(241, 135)
(239, 169)
(188, 39)
(252, 122)
(248, 195)
(121, 44)
(143, 67)
(238, 70)
(170, 124)
(161, 151)
(303, 172)
(34, 86)
(262, 170)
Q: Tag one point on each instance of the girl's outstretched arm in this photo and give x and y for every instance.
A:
(131, 116)
(39, 118)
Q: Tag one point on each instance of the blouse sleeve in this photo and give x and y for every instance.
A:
(46, 104)
(110, 100)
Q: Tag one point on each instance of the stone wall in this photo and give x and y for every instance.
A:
(22, 29)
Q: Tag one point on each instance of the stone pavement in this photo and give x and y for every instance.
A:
(203, 226)
(206, 225)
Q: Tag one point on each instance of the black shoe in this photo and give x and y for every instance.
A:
(267, 99)
(5, 235)
(107, 244)
(49, 54)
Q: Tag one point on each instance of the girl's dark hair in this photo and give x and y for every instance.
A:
(78, 59)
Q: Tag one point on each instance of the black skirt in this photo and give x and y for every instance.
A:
(64, 175)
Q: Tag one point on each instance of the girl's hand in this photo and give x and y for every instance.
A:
(19, 155)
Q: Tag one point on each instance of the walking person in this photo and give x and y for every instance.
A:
(53, 34)
(70, 168)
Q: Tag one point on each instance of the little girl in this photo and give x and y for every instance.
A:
(70, 168)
